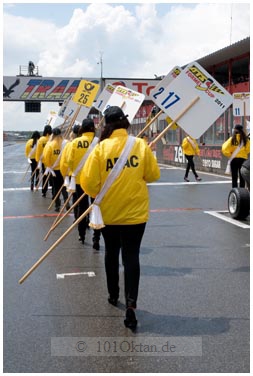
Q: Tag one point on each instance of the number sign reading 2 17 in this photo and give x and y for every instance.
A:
(86, 93)
(192, 83)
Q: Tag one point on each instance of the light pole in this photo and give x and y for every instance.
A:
(101, 69)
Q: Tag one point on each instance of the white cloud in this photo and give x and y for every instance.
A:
(136, 43)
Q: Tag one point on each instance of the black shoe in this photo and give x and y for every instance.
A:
(113, 301)
(96, 245)
(81, 238)
(31, 187)
(67, 207)
(186, 179)
(57, 209)
(130, 320)
(44, 194)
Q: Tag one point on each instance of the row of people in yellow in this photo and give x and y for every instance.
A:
(59, 158)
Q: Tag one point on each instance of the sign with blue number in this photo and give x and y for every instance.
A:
(69, 109)
(103, 98)
(192, 82)
(241, 104)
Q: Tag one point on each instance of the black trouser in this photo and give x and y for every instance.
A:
(191, 165)
(128, 239)
(82, 207)
(57, 184)
(236, 165)
(34, 173)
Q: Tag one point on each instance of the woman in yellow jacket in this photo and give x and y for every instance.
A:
(240, 142)
(30, 151)
(125, 206)
(190, 148)
(52, 155)
(64, 168)
(78, 149)
(39, 156)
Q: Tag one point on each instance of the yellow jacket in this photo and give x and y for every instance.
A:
(41, 143)
(52, 151)
(64, 168)
(78, 148)
(187, 147)
(228, 149)
(28, 149)
(127, 200)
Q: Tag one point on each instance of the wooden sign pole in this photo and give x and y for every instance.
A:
(54, 245)
(174, 121)
(67, 212)
(55, 198)
(25, 173)
(148, 125)
(66, 134)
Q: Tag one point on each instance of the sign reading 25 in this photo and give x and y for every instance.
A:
(86, 93)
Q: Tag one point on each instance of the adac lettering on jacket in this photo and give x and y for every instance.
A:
(57, 151)
(131, 162)
(83, 144)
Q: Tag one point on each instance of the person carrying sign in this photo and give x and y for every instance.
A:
(30, 152)
(39, 156)
(124, 206)
(52, 155)
(236, 148)
(64, 168)
(190, 148)
(79, 148)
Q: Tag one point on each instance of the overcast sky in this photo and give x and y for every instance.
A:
(135, 40)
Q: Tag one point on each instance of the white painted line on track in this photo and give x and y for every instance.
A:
(192, 183)
(153, 184)
(19, 189)
(63, 275)
(13, 172)
(227, 219)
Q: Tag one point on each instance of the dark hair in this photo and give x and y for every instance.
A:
(110, 127)
(87, 126)
(35, 137)
(76, 128)
(47, 130)
(56, 131)
(243, 138)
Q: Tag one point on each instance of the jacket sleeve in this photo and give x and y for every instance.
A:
(63, 161)
(90, 177)
(27, 148)
(39, 150)
(226, 148)
(71, 156)
(197, 151)
(47, 152)
(184, 144)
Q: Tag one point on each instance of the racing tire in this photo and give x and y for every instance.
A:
(239, 203)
